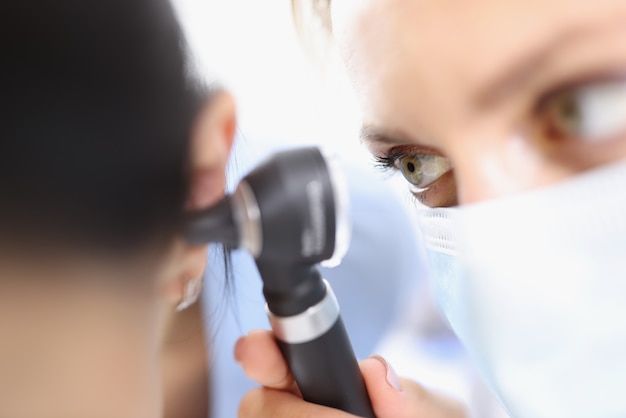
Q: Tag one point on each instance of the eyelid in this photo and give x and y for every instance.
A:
(388, 160)
(591, 124)
(578, 83)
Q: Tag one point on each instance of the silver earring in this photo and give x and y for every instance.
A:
(193, 288)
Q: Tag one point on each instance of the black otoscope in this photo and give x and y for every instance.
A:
(290, 214)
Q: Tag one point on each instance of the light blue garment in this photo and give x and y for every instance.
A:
(371, 284)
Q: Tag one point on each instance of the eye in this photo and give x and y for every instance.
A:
(429, 174)
(593, 112)
(421, 170)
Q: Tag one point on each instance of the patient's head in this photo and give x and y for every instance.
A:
(106, 140)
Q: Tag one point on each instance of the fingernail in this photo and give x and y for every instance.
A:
(237, 352)
(392, 378)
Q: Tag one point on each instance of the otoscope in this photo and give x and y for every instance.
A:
(290, 213)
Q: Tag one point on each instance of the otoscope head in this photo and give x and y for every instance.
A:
(290, 213)
(292, 210)
(297, 200)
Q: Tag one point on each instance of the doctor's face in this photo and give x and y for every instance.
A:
(516, 94)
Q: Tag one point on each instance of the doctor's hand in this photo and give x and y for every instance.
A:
(391, 397)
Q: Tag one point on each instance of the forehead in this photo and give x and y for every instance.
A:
(429, 55)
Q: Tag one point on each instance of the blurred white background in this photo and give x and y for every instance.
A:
(251, 47)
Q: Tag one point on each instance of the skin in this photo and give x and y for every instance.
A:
(85, 336)
(477, 82)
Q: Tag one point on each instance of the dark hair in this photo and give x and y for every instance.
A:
(97, 107)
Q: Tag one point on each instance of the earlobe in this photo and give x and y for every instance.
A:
(182, 280)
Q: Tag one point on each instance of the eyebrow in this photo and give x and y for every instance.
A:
(523, 71)
(374, 135)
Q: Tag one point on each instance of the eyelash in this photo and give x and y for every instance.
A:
(389, 161)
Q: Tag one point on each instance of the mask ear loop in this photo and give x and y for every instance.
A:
(193, 289)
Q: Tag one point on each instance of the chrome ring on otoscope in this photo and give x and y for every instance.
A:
(248, 218)
(308, 325)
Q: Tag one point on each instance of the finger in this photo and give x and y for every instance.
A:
(263, 362)
(269, 403)
(398, 398)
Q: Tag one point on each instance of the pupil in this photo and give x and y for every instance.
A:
(411, 167)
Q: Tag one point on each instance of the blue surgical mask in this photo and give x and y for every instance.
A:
(535, 287)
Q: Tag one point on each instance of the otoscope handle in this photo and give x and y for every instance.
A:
(325, 367)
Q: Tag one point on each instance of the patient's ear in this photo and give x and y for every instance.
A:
(212, 140)
(211, 143)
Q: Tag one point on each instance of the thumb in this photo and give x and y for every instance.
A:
(398, 398)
